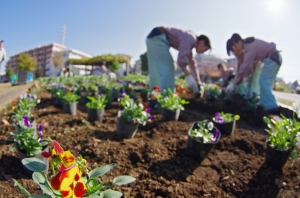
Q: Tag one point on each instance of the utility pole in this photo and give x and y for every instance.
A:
(63, 35)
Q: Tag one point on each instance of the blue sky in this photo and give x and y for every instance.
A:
(120, 26)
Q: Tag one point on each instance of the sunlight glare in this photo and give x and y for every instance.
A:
(275, 6)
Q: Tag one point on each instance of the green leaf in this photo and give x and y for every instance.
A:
(266, 120)
(34, 164)
(40, 180)
(123, 179)
(38, 177)
(22, 189)
(294, 154)
(98, 172)
(40, 196)
(111, 194)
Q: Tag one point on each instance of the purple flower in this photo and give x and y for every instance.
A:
(122, 93)
(216, 135)
(148, 110)
(150, 118)
(26, 121)
(219, 118)
(40, 130)
(40, 140)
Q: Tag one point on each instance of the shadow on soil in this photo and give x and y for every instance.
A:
(11, 167)
(262, 181)
(178, 168)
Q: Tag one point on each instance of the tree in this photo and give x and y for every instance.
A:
(57, 59)
(8, 73)
(39, 73)
(144, 61)
(114, 66)
(26, 62)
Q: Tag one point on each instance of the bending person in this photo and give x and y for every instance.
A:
(254, 50)
(160, 62)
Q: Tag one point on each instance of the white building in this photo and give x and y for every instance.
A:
(64, 55)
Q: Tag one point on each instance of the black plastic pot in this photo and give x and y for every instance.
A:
(153, 104)
(126, 129)
(225, 129)
(70, 108)
(275, 158)
(95, 115)
(22, 156)
(58, 102)
(170, 115)
(198, 150)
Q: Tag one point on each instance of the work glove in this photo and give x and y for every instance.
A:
(230, 88)
(193, 85)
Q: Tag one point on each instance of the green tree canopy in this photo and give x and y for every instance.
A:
(8, 72)
(57, 59)
(144, 61)
(97, 60)
(114, 66)
(26, 62)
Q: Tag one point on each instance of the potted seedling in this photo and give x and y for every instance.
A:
(225, 122)
(69, 101)
(202, 137)
(171, 104)
(96, 107)
(28, 144)
(281, 142)
(131, 116)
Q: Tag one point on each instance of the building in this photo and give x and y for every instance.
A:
(50, 58)
(63, 56)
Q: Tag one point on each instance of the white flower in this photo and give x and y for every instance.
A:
(210, 126)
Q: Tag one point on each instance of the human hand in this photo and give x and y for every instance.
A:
(192, 83)
(230, 88)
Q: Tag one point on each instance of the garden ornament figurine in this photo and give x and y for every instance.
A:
(160, 62)
(252, 50)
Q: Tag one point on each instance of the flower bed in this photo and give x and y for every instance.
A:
(156, 156)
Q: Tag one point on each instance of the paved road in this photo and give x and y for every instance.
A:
(10, 93)
(292, 97)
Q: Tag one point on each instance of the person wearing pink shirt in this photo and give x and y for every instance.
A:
(253, 50)
(160, 62)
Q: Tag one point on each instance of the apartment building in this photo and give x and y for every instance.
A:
(45, 57)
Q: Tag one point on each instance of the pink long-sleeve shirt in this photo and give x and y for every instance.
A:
(253, 52)
(183, 41)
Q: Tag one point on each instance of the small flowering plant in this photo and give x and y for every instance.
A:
(171, 100)
(134, 112)
(26, 140)
(69, 97)
(212, 91)
(222, 117)
(97, 102)
(205, 132)
(73, 178)
(283, 134)
(155, 92)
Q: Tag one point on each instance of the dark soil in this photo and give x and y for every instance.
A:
(156, 156)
